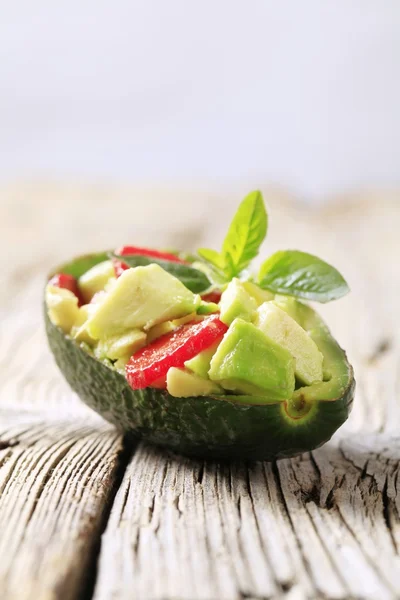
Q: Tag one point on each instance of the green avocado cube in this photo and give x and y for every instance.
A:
(141, 298)
(182, 384)
(257, 293)
(96, 279)
(79, 331)
(120, 346)
(236, 303)
(207, 308)
(62, 306)
(285, 331)
(248, 361)
(290, 305)
(200, 364)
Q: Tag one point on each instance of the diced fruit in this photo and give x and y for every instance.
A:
(200, 364)
(66, 282)
(160, 384)
(141, 298)
(158, 330)
(290, 305)
(120, 364)
(172, 350)
(214, 297)
(62, 305)
(248, 361)
(120, 266)
(79, 331)
(120, 346)
(207, 308)
(182, 384)
(284, 330)
(96, 279)
(163, 328)
(236, 302)
(257, 293)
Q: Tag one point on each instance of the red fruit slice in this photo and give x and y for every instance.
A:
(212, 297)
(172, 350)
(67, 282)
(120, 267)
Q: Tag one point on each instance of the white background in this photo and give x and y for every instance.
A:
(303, 94)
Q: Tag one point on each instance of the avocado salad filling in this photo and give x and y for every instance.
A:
(204, 325)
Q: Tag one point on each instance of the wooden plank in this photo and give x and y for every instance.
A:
(323, 525)
(56, 478)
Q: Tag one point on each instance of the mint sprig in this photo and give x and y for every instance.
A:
(243, 240)
(288, 272)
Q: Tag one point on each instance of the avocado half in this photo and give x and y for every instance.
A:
(213, 426)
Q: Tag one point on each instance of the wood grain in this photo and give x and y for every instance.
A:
(56, 478)
(323, 525)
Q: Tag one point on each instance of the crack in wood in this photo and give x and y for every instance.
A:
(5, 444)
(122, 459)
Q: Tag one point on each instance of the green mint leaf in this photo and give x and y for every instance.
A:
(213, 257)
(303, 275)
(246, 234)
(242, 242)
(194, 279)
(81, 264)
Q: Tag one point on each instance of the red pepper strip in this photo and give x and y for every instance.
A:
(67, 282)
(172, 350)
(212, 297)
(160, 384)
(120, 267)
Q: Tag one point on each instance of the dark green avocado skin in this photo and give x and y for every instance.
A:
(204, 427)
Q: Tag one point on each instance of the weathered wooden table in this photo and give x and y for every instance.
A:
(82, 515)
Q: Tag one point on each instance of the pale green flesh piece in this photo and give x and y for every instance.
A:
(200, 364)
(247, 361)
(96, 279)
(335, 362)
(121, 346)
(141, 298)
(207, 308)
(286, 332)
(62, 306)
(236, 303)
(259, 295)
(182, 384)
(289, 305)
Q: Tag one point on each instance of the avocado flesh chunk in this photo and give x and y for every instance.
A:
(121, 346)
(62, 306)
(286, 332)
(259, 295)
(207, 308)
(141, 298)
(248, 361)
(290, 306)
(236, 303)
(200, 364)
(96, 279)
(169, 326)
(79, 331)
(335, 361)
(182, 384)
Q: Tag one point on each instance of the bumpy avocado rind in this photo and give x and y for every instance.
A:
(220, 427)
